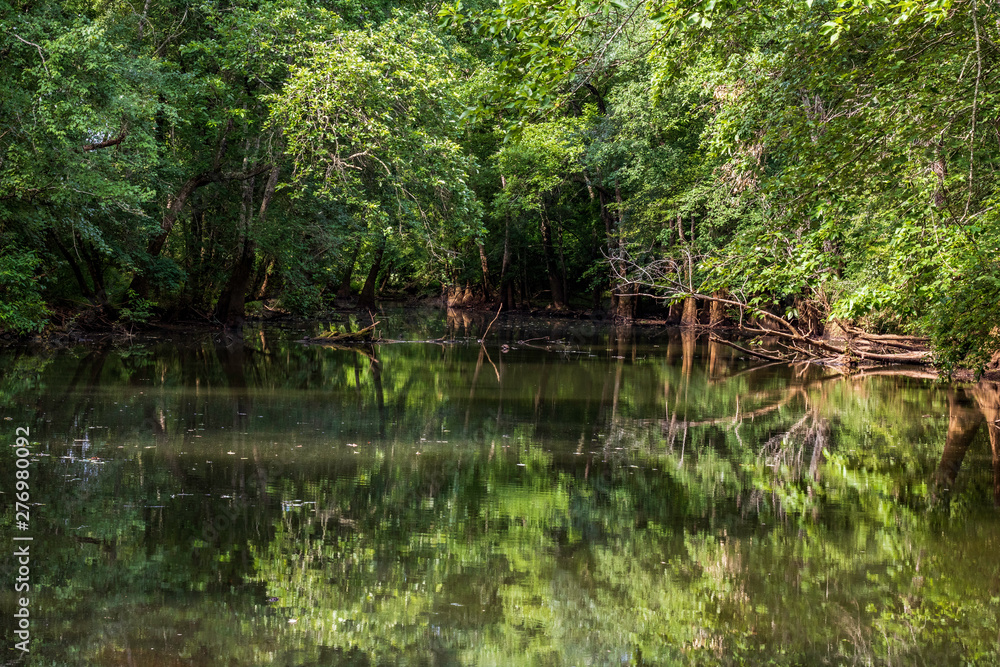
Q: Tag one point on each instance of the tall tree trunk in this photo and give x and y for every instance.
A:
(174, 207)
(192, 254)
(232, 301)
(487, 289)
(344, 291)
(140, 283)
(523, 286)
(674, 313)
(555, 282)
(231, 306)
(385, 278)
(85, 288)
(562, 264)
(690, 316)
(624, 304)
(506, 289)
(506, 286)
(367, 297)
(609, 237)
(597, 295)
(622, 298)
(716, 312)
(624, 311)
(259, 284)
(95, 269)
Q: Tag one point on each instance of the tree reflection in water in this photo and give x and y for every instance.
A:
(568, 496)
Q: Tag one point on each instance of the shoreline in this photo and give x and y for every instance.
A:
(68, 335)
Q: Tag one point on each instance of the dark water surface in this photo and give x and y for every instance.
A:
(562, 495)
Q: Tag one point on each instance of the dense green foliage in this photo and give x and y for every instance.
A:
(820, 159)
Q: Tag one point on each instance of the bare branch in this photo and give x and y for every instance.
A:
(108, 143)
(40, 54)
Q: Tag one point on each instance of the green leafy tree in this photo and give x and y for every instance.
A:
(373, 116)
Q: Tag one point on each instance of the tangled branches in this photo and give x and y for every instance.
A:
(777, 338)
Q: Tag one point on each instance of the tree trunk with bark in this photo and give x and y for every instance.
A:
(85, 288)
(506, 286)
(487, 288)
(555, 281)
(622, 295)
(716, 311)
(689, 318)
(623, 305)
(387, 274)
(344, 291)
(367, 297)
(140, 283)
(230, 309)
(260, 281)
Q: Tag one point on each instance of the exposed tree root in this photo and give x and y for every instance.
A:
(797, 345)
(672, 279)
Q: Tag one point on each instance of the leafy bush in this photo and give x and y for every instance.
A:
(963, 326)
(254, 308)
(137, 310)
(22, 308)
(302, 298)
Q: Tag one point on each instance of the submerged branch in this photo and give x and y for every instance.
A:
(744, 350)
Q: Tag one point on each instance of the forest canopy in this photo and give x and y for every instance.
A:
(830, 163)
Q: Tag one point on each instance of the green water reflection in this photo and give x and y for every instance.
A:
(562, 495)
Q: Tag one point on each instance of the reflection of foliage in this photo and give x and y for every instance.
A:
(568, 569)
(555, 513)
(21, 375)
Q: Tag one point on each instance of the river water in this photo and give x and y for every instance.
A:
(562, 494)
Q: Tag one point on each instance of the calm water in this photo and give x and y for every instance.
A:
(562, 495)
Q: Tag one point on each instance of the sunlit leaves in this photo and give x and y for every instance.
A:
(373, 116)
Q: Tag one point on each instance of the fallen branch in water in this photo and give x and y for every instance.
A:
(366, 334)
(491, 324)
(744, 350)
